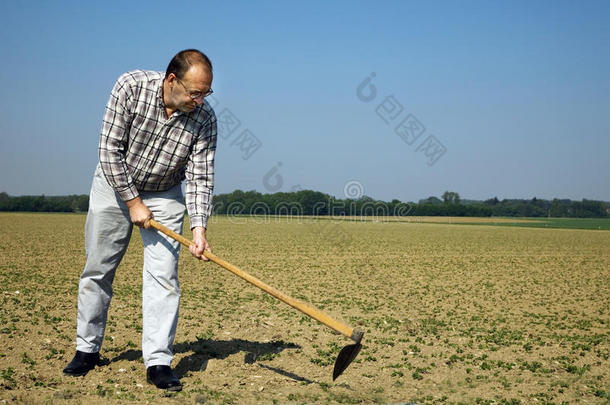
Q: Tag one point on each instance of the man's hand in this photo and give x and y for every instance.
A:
(200, 243)
(139, 212)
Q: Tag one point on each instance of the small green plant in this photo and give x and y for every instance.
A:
(52, 353)
(207, 335)
(25, 359)
(268, 356)
(324, 386)
(103, 392)
(7, 375)
(602, 394)
(533, 366)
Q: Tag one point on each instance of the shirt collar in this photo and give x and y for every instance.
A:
(160, 94)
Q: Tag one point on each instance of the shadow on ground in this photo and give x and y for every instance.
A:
(204, 350)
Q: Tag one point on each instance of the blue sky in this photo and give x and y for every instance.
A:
(514, 96)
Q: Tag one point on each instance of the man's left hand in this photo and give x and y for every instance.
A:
(200, 243)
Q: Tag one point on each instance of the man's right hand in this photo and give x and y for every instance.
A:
(139, 212)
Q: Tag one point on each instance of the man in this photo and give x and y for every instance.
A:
(157, 130)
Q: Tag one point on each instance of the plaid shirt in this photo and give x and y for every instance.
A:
(143, 150)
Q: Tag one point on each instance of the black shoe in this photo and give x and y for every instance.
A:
(82, 363)
(163, 378)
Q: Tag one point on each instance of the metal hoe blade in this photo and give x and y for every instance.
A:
(348, 354)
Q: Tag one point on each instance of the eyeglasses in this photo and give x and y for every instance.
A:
(195, 94)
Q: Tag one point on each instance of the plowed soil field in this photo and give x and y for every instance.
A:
(452, 314)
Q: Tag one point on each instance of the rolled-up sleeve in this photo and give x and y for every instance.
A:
(114, 140)
(199, 174)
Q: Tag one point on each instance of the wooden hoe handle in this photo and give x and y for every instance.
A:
(345, 330)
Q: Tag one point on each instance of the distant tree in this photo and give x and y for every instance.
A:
(4, 201)
(312, 202)
(451, 197)
(492, 201)
(589, 209)
(431, 200)
(80, 203)
(558, 209)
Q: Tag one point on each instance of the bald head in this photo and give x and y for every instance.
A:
(184, 60)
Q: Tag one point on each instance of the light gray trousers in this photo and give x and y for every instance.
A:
(107, 234)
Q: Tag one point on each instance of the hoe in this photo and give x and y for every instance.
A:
(346, 355)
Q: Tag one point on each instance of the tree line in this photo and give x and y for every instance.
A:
(308, 202)
(42, 203)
